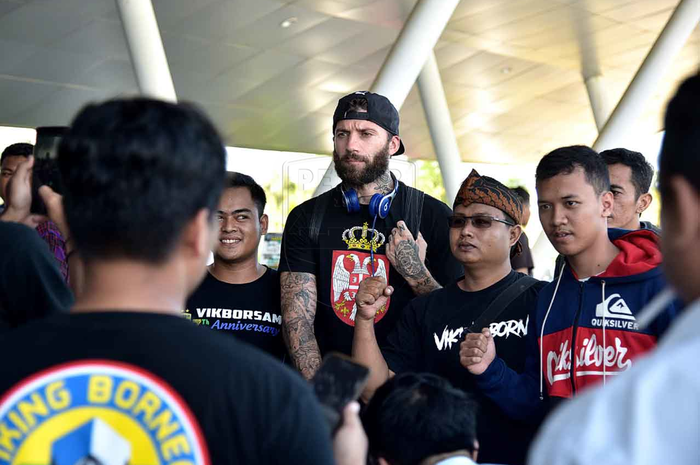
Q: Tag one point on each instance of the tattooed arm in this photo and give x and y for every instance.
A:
(298, 293)
(408, 257)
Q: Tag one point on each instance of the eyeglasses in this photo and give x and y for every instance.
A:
(479, 222)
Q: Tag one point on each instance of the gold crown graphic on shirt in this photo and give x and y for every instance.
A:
(351, 238)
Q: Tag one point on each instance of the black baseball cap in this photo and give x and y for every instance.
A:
(379, 111)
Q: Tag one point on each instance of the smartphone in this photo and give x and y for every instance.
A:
(338, 382)
(45, 172)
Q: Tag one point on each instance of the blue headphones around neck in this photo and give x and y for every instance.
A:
(379, 204)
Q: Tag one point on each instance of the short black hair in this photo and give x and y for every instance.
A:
(522, 194)
(414, 416)
(565, 160)
(642, 171)
(680, 151)
(136, 171)
(20, 149)
(234, 179)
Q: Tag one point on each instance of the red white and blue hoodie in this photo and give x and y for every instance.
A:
(585, 331)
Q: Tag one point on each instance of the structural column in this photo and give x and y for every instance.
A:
(440, 124)
(146, 49)
(406, 59)
(666, 47)
(598, 96)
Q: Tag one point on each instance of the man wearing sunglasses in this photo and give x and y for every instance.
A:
(483, 230)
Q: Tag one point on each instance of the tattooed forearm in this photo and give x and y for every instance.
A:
(408, 261)
(425, 286)
(411, 267)
(298, 294)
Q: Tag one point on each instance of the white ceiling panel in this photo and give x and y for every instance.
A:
(323, 37)
(112, 75)
(267, 31)
(14, 54)
(100, 37)
(172, 13)
(18, 96)
(328, 7)
(219, 19)
(56, 65)
(501, 15)
(383, 13)
(186, 54)
(263, 66)
(511, 69)
(358, 47)
(8, 5)
(59, 108)
(39, 24)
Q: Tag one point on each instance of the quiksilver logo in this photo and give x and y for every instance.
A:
(614, 307)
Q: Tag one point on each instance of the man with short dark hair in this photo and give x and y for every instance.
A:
(12, 156)
(522, 262)
(421, 419)
(585, 329)
(483, 230)
(239, 296)
(369, 225)
(630, 180)
(142, 180)
(649, 415)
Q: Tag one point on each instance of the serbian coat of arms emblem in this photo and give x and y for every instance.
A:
(351, 267)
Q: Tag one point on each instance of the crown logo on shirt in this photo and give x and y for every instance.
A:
(350, 237)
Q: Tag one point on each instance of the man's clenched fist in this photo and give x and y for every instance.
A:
(477, 351)
(371, 296)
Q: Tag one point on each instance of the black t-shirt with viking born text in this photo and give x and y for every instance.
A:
(340, 260)
(250, 312)
(427, 339)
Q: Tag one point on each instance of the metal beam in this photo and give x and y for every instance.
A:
(146, 49)
(412, 49)
(666, 47)
(440, 124)
(600, 104)
(405, 60)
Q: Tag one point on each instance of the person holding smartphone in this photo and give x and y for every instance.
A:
(12, 156)
(31, 286)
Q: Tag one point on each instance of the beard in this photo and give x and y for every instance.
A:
(354, 176)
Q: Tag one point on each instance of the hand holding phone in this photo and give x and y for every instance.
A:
(338, 382)
(45, 164)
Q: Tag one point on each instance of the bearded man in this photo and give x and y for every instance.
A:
(370, 224)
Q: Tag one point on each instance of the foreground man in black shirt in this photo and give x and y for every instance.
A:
(483, 229)
(123, 378)
(239, 296)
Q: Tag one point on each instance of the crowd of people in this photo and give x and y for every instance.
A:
(123, 346)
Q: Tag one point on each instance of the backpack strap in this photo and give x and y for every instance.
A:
(500, 303)
(317, 216)
(413, 208)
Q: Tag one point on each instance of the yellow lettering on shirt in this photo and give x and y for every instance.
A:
(177, 445)
(100, 389)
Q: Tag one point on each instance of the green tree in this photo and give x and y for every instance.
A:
(429, 179)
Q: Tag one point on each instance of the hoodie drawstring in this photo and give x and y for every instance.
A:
(605, 310)
(544, 322)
